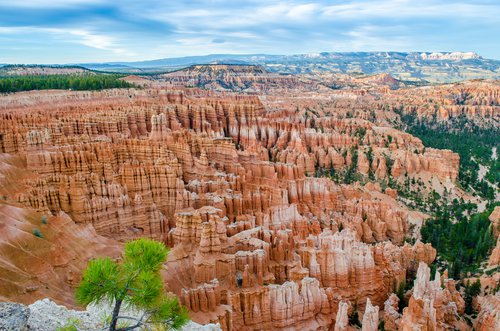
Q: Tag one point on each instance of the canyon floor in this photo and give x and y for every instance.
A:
(288, 202)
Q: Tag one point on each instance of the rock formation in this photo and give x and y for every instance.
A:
(489, 314)
(370, 317)
(243, 189)
(495, 223)
(46, 315)
(432, 307)
(392, 317)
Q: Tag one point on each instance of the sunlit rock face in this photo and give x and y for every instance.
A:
(238, 187)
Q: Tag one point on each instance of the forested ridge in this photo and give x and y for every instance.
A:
(62, 82)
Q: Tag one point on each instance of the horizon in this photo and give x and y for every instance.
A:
(76, 64)
(100, 31)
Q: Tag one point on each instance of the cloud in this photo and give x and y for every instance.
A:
(404, 9)
(303, 12)
(139, 29)
(370, 38)
(79, 36)
(48, 4)
(96, 41)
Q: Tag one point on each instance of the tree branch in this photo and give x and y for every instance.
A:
(138, 323)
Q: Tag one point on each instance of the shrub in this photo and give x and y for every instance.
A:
(354, 316)
(403, 303)
(37, 233)
(71, 325)
(471, 291)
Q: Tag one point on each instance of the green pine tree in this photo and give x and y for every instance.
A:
(136, 282)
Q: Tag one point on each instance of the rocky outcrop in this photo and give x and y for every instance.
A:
(342, 322)
(494, 259)
(46, 315)
(13, 316)
(224, 77)
(392, 317)
(432, 307)
(494, 218)
(420, 313)
(370, 317)
(495, 221)
(475, 99)
(489, 314)
(289, 305)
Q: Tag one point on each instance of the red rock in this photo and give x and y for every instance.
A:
(227, 182)
(489, 315)
(431, 307)
(392, 317)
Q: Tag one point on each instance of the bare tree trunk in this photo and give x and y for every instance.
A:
(116, 311)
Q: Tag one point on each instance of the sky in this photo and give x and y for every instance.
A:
(82, 31)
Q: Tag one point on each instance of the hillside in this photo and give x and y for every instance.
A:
(42, 70)
(416, 66)
(223, 77)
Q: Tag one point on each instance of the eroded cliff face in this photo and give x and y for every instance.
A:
(495, 224)
(230, 77)
(489, 314)
(128, 162)
(474, 99)
(433, 305)
(274, 279)
(228, 182)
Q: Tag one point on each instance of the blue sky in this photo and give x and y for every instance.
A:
(73, 31)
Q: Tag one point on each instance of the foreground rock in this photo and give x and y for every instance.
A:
(45, 315)
(13, 316)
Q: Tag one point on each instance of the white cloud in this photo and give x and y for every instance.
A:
(374, 38)
(79, 36)
(95, 40)
(250, 26)
(313, 13)
(48, 3)
(303, 12)
(397, 9)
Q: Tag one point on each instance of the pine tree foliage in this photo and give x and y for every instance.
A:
(62, 82)
(471, 291)
(135, 282)
(463, 243)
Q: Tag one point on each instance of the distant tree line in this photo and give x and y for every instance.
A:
(62, 82)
